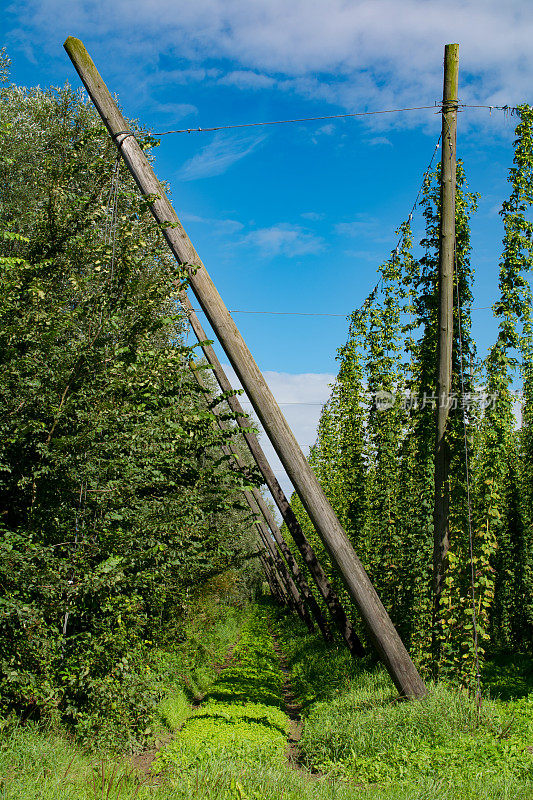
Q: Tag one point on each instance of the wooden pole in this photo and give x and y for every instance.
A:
(295, 599)
(380, 628)
(283, 591)
(292, 565)
(334, 605)
(445, 328)
(271, 580)
(285, 578)
(258, 505)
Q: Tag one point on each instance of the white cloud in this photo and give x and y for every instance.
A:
(177, 110)
(218, 156)
(246, 79)
(323, 130)
(378, 141)
(300, 397)
(182, 77)
(376, 53)
(228, 226)
(221, 226)
(186, 217)
(362, 225)
(284, 239)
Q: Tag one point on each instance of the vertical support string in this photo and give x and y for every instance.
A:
(468, 492)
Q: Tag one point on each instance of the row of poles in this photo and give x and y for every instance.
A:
(283, 572)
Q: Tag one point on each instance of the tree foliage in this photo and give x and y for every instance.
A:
(116, 501)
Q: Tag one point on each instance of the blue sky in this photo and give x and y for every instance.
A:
(297, 217)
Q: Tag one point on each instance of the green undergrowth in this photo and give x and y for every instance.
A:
(319, 671)
(359, 742)
(36, 764)
(241, 718)
(508, 676)
(357, 730)
(187, 669)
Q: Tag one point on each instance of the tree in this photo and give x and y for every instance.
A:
(114, 497)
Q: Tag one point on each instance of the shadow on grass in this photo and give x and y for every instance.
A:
(243, 691)
(508, 676)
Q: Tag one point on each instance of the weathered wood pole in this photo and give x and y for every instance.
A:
(272, 580)
(258, 506)
(282, 590)
(380, 628)
(295, 598)
(282, 573)
(445, 328)
(334, 605)
(292, 566)
(294, 592)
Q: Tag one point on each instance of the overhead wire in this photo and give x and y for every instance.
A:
(308, 313)
(395, 251)
(322, 118)
(505, 108)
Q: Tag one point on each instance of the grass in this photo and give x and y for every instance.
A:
(241, 719)
(187, 669)
(357, 731)
(41, 764)
(35, 764)
(360, 741)
(367, 736)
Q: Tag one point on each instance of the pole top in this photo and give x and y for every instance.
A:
(451, 74)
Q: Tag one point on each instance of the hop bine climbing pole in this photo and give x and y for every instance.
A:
(448, 181)
(380, 628)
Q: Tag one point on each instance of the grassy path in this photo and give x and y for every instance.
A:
(242, 719)
(292, 709)
(241, 739)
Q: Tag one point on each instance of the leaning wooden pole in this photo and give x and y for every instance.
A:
(277, 580)
(286, 596)
(445, 329)
(292, 565)
(271, 580)
(259, 506)
(333, 603)
(286, 580)
(380, 628)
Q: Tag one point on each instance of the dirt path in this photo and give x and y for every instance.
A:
(228, 660)
(143, 761)
(292, 709)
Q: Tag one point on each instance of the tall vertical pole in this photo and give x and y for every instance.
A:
(380, 629)
(445, 329)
